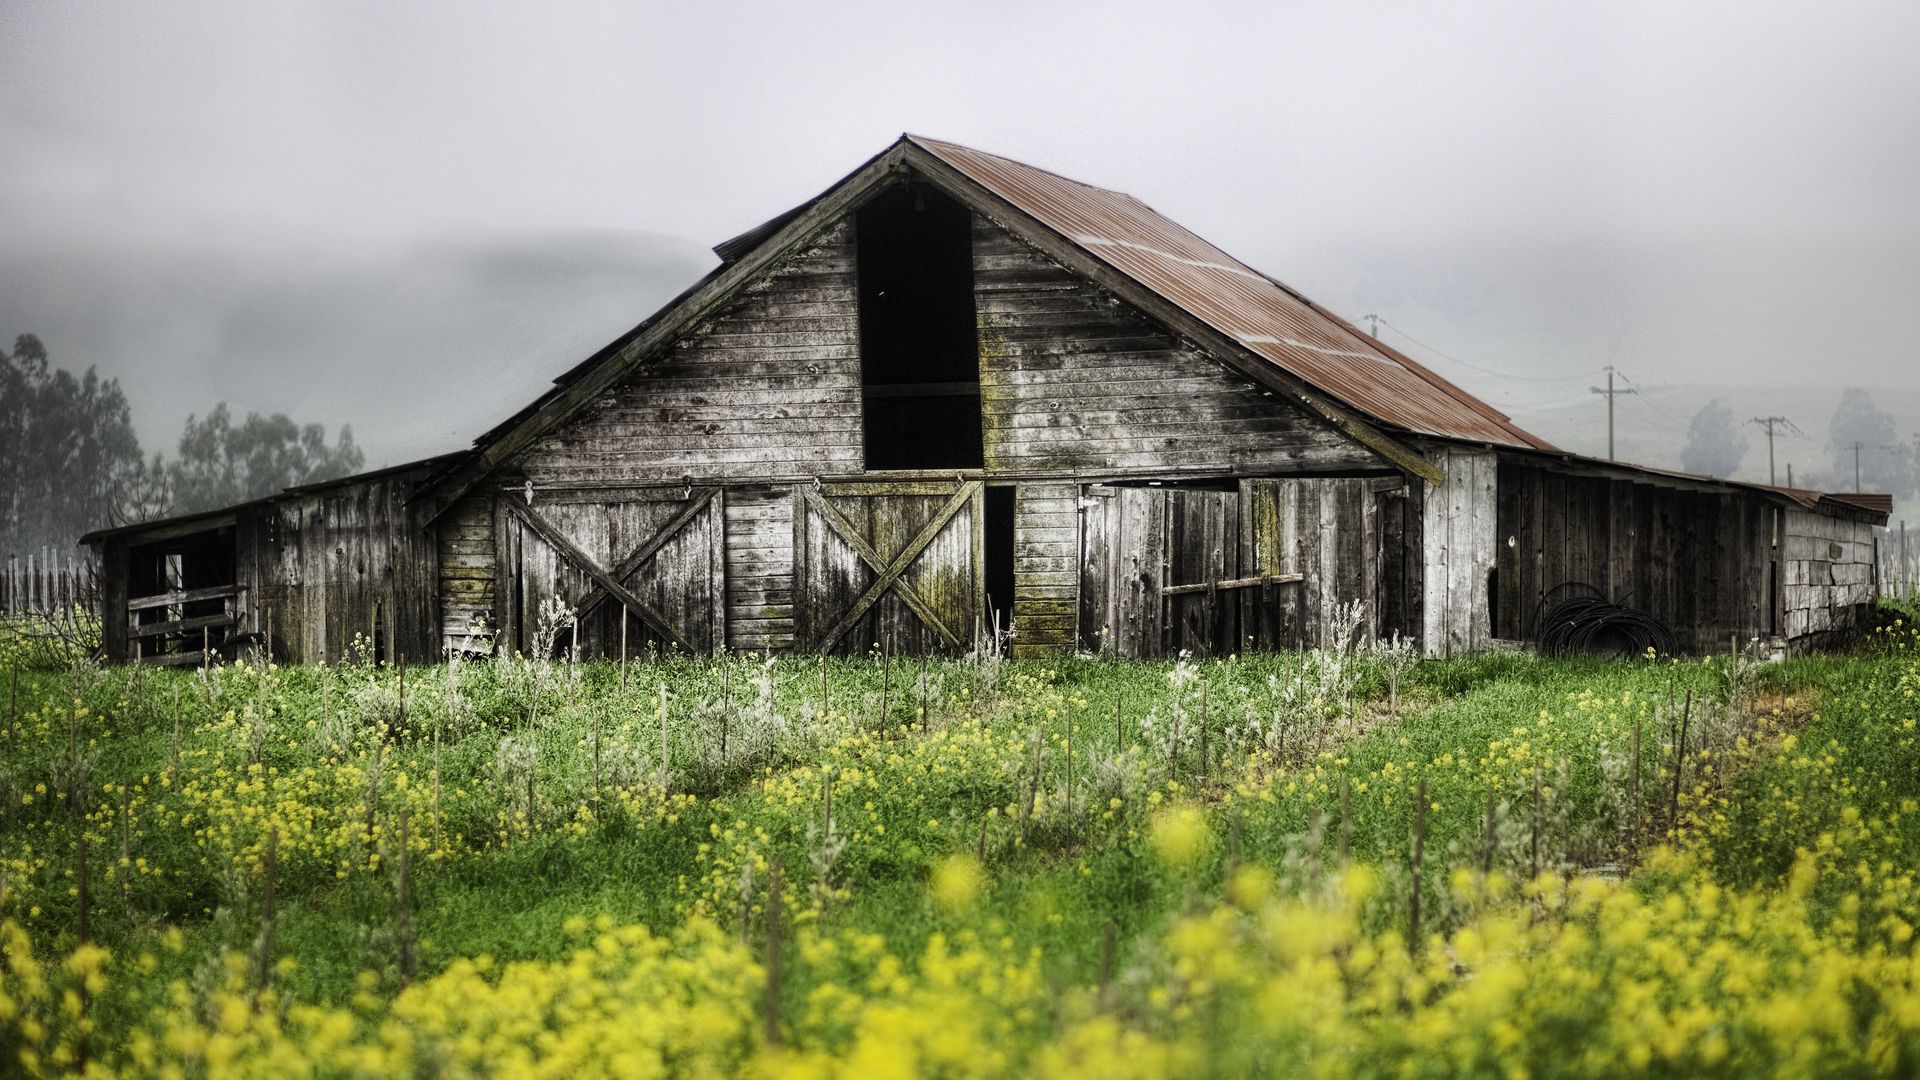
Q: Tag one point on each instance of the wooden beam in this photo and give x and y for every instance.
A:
(1233, 583)
(177, 626)
(572, 553)
(184, 596)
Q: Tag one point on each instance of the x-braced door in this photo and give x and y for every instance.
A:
(890, 564)
(657, 554)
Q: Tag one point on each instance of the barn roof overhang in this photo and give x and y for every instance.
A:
(183, 524)
(1870, 507)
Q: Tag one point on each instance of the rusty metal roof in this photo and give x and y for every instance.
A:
(1268, 318)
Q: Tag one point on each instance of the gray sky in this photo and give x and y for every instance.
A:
(411, 217)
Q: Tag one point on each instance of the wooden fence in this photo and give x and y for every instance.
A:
(47, 583)
(1900, 564)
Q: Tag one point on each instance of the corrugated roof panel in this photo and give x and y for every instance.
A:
(1267, 318)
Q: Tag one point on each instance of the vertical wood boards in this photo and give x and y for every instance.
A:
(675, 536)
(1073, 381)
(1707, 563)
(858, 580)
(342, 561)
(1459, 528)
(1348, 539)
(1046, 582)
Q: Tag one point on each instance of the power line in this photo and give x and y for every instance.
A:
(1476, 367)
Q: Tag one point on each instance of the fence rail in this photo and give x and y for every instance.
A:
(47, 583)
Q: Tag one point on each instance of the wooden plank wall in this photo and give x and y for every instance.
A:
(1699, 560)
(766, 389)
(828, 575)
(464, 535)
(759, 554)
(1458, 539)
(1046, 579)
(1076, 383)
(684, 581)
(333, 563)
(1829, 582)
(1350, 538)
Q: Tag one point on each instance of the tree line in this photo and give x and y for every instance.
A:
(1859, 433)
(70, 461)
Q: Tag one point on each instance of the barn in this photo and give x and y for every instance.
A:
(957, 399)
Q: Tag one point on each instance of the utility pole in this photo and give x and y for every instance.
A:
(1610, 393)
(1373, 324)
(1770, 423)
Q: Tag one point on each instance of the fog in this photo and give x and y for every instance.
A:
(412, 218)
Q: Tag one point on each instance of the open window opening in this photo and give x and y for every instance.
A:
(182, 596)
(998, 570)
(919, 346)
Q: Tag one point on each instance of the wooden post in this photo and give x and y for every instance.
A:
(403, 904)
(1534, 858)
(263, 962)
(770, 1002)
(1492, 838)
(1203, 731)
(1069, 768)
(886, 676)
(663, 738)
(1633, 791)
(1346, 818)
(1679, 766)
(1419, 852)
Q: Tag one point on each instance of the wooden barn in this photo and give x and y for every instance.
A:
(953, 393)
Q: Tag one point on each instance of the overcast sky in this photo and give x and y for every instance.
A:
(412, 217)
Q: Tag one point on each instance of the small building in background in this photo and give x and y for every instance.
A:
(957, 400)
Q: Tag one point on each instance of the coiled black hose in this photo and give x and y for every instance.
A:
(1591, 625)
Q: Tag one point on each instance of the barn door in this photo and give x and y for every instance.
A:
(1154, 563)
(658, 554)
(897, 564)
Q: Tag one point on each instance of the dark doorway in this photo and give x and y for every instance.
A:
(999, 558)
(919, 347)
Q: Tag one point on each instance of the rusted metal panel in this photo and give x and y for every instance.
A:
(1261, 314)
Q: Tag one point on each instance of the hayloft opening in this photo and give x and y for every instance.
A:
(919, 349)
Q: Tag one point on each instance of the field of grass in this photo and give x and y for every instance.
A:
(1275, 865)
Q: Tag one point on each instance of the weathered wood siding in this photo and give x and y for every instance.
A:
(338, 562)
(1829, 576)
(1074, 382)
(664, 547)
(464, 537)
(766, 389)
(1701, 561)
(759, 568)
(1458, 531)
(1046, 578)
(892, 565)
(1349, 539)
